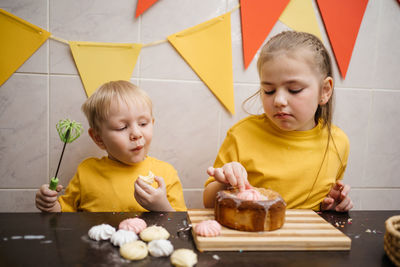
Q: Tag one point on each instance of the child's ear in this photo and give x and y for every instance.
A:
(96, 138)
(327, 89)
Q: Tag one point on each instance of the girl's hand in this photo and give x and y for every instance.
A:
(46, 199)
(150, 198)
(338, 198)
(232, 173)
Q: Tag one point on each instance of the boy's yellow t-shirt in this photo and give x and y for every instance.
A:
(104, 185)
(291, 163)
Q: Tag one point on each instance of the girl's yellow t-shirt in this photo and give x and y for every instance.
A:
(104, 185)
(292, 163)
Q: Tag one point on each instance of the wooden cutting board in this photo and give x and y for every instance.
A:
(303, 230)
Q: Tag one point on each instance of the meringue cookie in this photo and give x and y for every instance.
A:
(133, 224)
(101, 232)
(136, 250)
(208, 228)
(183, 258)
(160, 248)
(154, 232)
(121, 237)
(149, 178)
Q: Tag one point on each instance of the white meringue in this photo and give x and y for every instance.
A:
(121, 237)
(160, 248)
(101, 232)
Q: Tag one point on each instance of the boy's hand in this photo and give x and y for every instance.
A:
(46, 199)
(232, 173)
(338, 198)
(150, 198)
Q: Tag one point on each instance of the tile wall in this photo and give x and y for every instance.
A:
(190, 122)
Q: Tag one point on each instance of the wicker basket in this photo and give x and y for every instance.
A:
(392, 239)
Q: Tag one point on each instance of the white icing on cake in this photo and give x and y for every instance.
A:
(160, 248)
(123, 236)
(101, 232)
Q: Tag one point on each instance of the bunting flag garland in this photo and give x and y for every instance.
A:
(207, 48)
(142, 6)
(98, 63)
(258, 17)
(342, 19)
(19, 39)
(299, 15)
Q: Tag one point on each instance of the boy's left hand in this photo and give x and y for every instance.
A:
(150, 198)
(338, 198)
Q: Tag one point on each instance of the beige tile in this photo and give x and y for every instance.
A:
(375, 199)
(382, 165)
(23, 131)
(194, 198)
(387, 49)
(186, 129)
(18, 200)
(352, 110)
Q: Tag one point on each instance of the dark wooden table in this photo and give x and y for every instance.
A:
(36, 239)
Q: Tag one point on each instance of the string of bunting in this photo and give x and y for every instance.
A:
(206, 47)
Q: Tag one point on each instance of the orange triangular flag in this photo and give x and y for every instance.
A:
(342, 19)
(207, 48)
(258, 18)
(142, 6)
(98, 63)
(19, 39)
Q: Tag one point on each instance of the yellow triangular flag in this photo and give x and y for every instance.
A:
(300, 16)
(99, 63)
(207, 48)
(19, 39)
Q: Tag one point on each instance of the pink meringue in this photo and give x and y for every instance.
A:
(208, 228)
(133, 224)
(250, 194)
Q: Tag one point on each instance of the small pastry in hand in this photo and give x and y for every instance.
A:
(149, 178)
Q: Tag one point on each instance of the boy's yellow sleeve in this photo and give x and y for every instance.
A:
(70, 200)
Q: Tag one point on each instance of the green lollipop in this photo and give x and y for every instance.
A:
(68, 131)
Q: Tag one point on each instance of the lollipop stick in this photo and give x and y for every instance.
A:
(54, 180)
